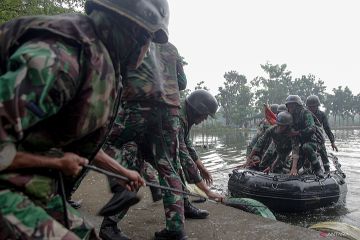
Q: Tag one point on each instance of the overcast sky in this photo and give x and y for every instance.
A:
(320, 37)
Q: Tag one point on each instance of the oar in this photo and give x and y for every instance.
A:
(239, 166)
(227, 201)
(224, 169)
(111, 174)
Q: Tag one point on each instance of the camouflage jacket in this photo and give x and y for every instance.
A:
(158, 79)
(185, 130)
(303, 121)
(187, 152)
(59, 88)
(283, 142)
(321, 116)
(263, 125)
(254, 140)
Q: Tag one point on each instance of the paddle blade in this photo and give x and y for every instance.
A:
(269, 115)
(251, 206)
(194, 189)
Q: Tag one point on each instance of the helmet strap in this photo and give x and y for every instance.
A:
(190, 113)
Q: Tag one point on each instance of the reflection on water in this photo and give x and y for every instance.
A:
(221, 150)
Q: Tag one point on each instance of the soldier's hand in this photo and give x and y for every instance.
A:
(71, 164)
(248, 162)
(334, 147)
(206, 176)
(293, 172)
(267, 170)
(136, 180)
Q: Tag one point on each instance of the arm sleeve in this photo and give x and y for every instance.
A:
(191, 149)
(310, 126)
(260, 144)
(252, 143)
(181, 77)
(187, 161)
(41, 77)
(328, 130)
(295, 144)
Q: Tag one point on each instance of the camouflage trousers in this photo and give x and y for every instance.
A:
(308, 152)
(253, 141)
(324, 156)
(129, 157)
(22, 218)
(269, 156)
(154, 129)
(281, 159)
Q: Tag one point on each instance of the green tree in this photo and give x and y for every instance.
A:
(357, 105)
(328, 103)
(184, 93)
(307, 85)
(338, 104)
(349, 108)
(16, 8)
(235, 98)
(200, 85)
(274, 88)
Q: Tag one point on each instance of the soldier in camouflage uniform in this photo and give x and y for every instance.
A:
(130, 157)
(283, 143)
(197, 107)
(309, 134)
(60, 87)
(151, 119)
(313, 103)
(269, 154)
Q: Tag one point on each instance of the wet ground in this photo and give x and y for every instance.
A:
(224, 223)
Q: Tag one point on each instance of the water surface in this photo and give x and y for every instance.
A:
(224, 149)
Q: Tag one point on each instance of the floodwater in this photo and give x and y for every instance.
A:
(220, 150)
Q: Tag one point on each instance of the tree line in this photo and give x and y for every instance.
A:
(10, 9)
(242, 101)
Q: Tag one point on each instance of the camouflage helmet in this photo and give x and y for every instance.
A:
(282, 108)
(274, 108)
(284, 118)
(293, 99)
(202, 102)
(152, 15)
(313, 101)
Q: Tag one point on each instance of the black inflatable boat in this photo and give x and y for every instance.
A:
(285, 193)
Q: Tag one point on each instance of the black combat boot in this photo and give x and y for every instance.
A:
(319, 173)
(190, 211)
(74, 204)
(110, 231)
(327, 170)
(170, 235)
(156, 194)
